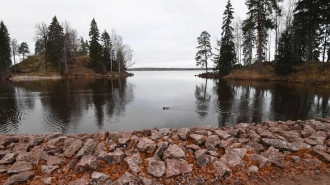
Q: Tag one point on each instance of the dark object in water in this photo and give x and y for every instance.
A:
(166, 108)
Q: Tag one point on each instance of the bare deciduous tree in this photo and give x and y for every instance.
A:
(14, 49)
(237, 25)
(42, 34)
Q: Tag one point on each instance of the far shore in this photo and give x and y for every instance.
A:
(59, 77)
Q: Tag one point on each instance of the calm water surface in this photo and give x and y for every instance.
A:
(86, 106)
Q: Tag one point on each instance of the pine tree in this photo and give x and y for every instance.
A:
(106, 49)
(204, 49)
(216, 56)
(55, 44)
(83, 47)
(39, 47)
(95, 49)
(260, 12)
(227, 57)
(5, 60)
(249, 40)
(307, 20)
(23, 49)
(285, 57)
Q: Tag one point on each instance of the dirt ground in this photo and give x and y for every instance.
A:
(322, 179)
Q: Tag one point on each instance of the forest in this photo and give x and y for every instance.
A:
(58, 45)
(301, 27)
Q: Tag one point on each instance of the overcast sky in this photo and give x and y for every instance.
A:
(162, 33)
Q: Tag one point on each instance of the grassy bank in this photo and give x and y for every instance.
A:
(318, 74)
(34, 66)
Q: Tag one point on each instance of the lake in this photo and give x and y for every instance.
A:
(89, 105)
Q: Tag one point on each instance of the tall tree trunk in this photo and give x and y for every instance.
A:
(259, 43)
(270, 39)
(65, 62)
(325, 42)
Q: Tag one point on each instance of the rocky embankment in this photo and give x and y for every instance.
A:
(244, 154)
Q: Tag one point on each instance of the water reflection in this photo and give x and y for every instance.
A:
(202, 100)
(86, 106)
(242, 101)
(63, 106)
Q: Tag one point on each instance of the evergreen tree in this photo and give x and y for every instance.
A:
(5, 60)
(39, 47)
(83, 47)
(249, 40)
(204, 49)
(307, 20)
(227, 57)
(260, 12)
(55, 44)
(285, 57)
(216, 56)
(106, 49)
(23, 49)
(95, 48)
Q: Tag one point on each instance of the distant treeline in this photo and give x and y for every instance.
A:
(163, 69)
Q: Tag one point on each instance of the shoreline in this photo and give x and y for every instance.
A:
(59, 77)
(243, 154)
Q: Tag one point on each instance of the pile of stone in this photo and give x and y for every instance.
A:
(202, 155)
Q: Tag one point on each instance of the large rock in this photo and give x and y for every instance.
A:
(197, 139)
(292, 136)
(88, 162)
(88, 148)
(183, 133)
(232, 159)
(4, 168)
(173, 151)
(156, 168)
(263, 162)
(265, 133)
(19, 167)
(48, 169)
(213, 140)
(222, 134)
(57, 141)
(279, 144)
(98, 176)
(84, 180)
(307, 131)
(160, 148)
(133, 162)
(274, 156)
(322, 155)
(73, 148)
(36, 154)
(176, 167)
(4, 141)
(204, 159)
(8, 158)
(20, 147)
(115, 157)
(126, 179)
(52, 160)
(146, 145)
(221, 168)
(21, 177)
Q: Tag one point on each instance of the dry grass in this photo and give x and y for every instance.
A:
(318, 74)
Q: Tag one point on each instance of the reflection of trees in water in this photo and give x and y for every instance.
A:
(65, 101)
(8, 110)
(256, 102)
(202, 100)
(225, 94)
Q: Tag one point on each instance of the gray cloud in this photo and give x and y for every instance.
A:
(162, 33)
